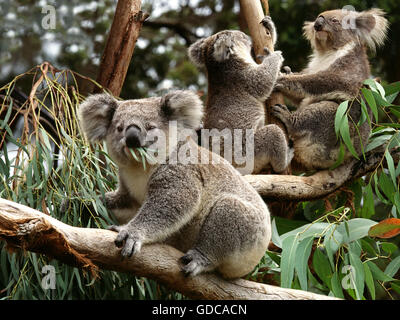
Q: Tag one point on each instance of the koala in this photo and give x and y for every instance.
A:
(335, 73)
(237, 90)
(206, 210)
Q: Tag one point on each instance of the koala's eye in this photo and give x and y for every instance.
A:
(151, 127)
(120, 128)
(334, 20)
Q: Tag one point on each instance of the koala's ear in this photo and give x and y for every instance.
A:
(184, 106)
(223, 48)
(196, 52)
(371, 27)
(95, 115)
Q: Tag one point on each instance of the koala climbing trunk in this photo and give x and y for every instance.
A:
(253, 14)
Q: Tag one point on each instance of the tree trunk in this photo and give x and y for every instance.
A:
(89, 248)
(127, 23)
(253, 13)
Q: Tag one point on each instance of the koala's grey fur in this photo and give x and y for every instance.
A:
(335, 73)
(237, 90)
(206, 210)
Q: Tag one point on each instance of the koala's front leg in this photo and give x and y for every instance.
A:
(172, 200)
(290, 87)
(259, 80)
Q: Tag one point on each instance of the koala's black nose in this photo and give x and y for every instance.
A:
(319, 24)
(133, 137)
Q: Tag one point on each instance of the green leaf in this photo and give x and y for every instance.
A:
(393, 88)
(377, 273)
(369, 97)
(358, 228)
(340, 114)
(375, 87)
(395, 112)
(322, 267)
(336, 285)
(393, 267)
(355, 262)
(391, 167)
(389, 247)
(369, 280)
(311, 229)
(4, 122)
(289, 247)
(345, 134)
(394, 142)
(365, 113)
(378, 141)
(301, 261)
(396, 286)
(368, 208)
(276, 239)
(274, 257)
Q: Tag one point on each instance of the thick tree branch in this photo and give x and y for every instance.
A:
(322, 183)
(88, 248)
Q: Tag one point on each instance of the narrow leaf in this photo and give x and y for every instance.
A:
(385, 229)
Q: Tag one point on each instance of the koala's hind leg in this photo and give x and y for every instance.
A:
(271, 148)
(194, 262)
(228, 241)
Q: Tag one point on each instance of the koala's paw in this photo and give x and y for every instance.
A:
(268, 24)
(193, 263)
(287, 70)
(280, 111)
(127, 240)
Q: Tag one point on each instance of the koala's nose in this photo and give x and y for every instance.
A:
(319, 23)
(133, 137)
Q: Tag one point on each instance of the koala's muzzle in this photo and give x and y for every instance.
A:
(133, 137)
(319, 24)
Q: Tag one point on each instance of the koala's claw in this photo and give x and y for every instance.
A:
(267, 51)
(267, 22)
(193, 263)
(280, 108)
(280, 111)
(130, 245)
(287, 70)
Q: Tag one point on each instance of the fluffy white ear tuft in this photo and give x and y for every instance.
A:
(372, 27)
(95, 115)
(184, 106)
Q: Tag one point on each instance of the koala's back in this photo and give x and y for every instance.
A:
(234, 109)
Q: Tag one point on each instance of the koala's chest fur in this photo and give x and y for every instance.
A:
(321, 62)
(136, 180)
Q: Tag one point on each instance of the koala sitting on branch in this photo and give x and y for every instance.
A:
(335, 73)
(237, 90)
(206, 210)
